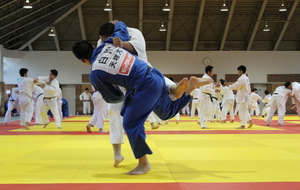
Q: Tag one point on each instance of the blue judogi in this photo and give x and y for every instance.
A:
(146, 88)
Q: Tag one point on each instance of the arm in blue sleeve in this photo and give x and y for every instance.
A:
(109, 92)
(121, 31)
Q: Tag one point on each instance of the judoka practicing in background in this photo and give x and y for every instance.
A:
(227, 102)
(205, 106)
(215, 105)
(278, 101)
(38, 96)
(100, 113)
(186, 110)
(13, 103)
(50, 98)
(242, 85)
(296, 97)
(25, 86)
(59, 103)
(266, 101)
(195, 102)
(86, 98)
(146, 89)
(254, 98)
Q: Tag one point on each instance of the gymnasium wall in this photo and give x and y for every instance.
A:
(259, 64)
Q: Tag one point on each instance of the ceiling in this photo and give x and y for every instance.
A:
(192, 25)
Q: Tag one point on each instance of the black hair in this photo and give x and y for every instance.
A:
(23, 71)
(208, 68)
(222, 81)
(171, 79)
(82, 49)
(267, 92)
(54, 72)
(253, 89)
(242, 68)
(287, 84)
(86, 89)
(106, 29)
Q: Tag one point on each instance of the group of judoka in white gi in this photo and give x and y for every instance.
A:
(33, 98)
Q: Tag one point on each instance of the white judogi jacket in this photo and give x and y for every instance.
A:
(242, 85)
(227, 94)
(295, 92)
(14, 94)
(283, 92)
(85, 96)
(51, 90)
(254, 98)
(37, 92)
(208, 89)
(25, 86)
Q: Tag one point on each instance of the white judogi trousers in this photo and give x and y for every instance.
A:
(153, 118)
(100, 113)
(26, 109)
(277, 102)
(52, 105)
(59, 106)
(116, 123)
(86, 107)
(38, 109)
(177, 117)
(195, 103)
(204, 111)
(265, 110)
(216, 111)
(254, 107)
(244, 113)
(186, 109)
(227, 106)
(10, 106)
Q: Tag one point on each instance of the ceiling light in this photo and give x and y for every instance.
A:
(266, 28)
(224, 7)
(51, 33)
(282, 7)
(107, 7)
(27, 5)
(166, 7)
(162, 27)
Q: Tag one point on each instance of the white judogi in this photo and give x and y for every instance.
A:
(153, 118)
(296, 96)
(38, 95)
(278, 101)
(186, 109)
(205, 101)
(100, 111)
(13, 103)
(266, 101)
(25, 86)
(50, 100)
(59, 104)
(227, 102)
(253, 103)
(216, 111)
(242, 85)
(86, 98)
(195, 102)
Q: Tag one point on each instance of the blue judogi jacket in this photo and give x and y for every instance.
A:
(112, 66)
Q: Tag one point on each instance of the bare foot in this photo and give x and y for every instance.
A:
(153, 126)
(118, 160)
(46, 125)
(196, 83)
(142, 167)
(178, 90)
(232, 121)
(88, 128)
(223, 121)
(250, 124)
(177, 122)
(26, 128)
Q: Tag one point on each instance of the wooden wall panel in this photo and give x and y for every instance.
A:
(85, 78)
(178, 77)
(283, 77)
(231, 77)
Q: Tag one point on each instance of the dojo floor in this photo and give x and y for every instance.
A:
(185, 157)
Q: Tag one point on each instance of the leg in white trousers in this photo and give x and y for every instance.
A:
(276, 103)
(194, 106)
(26, 109)
(87, 107)
(10, 106)
(38, 110)
(227, 106)
(116, 123)
(204, 112)
(100, 113)
(59, 106)
(243, 114)
(52, 105)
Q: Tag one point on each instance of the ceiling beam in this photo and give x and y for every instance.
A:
(110, 13)
(8, 4)
(261, 12)
(81, 23)
(201, 10)
(141, 13)
(227, 24)
(169, 29)
(56, 39)
(30, 47)
(286, 25)
(53, 23)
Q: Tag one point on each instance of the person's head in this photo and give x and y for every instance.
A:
(242, 69)
(223, 82)
(209, 70)
(171, 79)
(254, 90)
(288, 85)
(86, 89)
(106, 30)
(267, 92)
(53, 74)
(23, 72)
(83, 51)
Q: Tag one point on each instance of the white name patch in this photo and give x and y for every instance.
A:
(114, 60)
